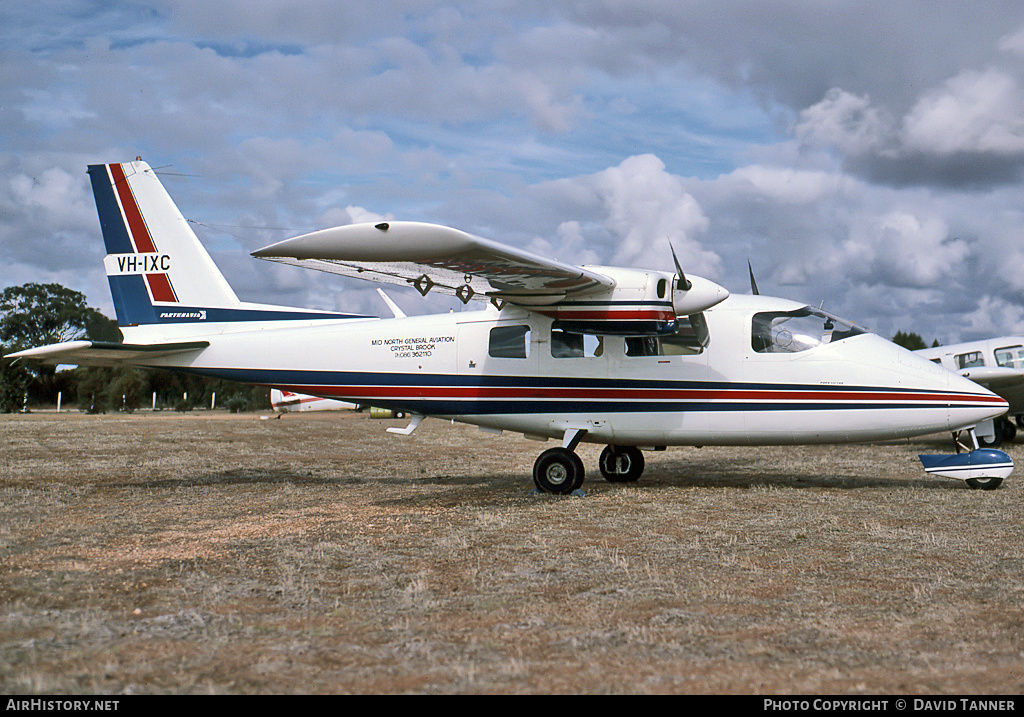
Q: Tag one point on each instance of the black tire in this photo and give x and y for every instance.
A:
(984, 483)
(558, 470)
(1007, 429)
(995, 441)
(621, 464)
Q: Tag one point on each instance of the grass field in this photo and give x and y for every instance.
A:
(217, 552)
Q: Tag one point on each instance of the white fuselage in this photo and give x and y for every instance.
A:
(508, 371)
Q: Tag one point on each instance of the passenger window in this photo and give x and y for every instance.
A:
(567, 344)
(970, 360)
(1010, 357)
(509, 342)
(681, 344)
(642, 346)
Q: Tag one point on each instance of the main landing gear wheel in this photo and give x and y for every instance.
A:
(558, 470)
(621, 464)
(984, 483)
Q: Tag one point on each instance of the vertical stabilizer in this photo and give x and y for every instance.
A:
(159, 272)
(154, 260)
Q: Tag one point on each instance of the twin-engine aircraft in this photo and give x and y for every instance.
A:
(633, 359)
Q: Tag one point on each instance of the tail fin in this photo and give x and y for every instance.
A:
(155, 263)
(158, 270)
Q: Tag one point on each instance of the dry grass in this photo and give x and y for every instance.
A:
(317, 553)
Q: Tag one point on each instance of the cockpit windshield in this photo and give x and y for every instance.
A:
(800, 330)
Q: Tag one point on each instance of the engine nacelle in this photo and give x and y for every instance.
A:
(702, 294)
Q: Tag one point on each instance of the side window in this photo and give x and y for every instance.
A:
(509, 342)
(567, 344)
(970, 360)
(681, 344)
(673, 345)
(800, 330)
(642, 346)
(1010, 357)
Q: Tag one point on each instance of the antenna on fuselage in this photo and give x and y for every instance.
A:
(753, 284)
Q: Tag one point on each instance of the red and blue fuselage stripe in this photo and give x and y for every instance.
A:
(447, 394)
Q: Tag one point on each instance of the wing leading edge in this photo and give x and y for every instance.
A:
(433, 257)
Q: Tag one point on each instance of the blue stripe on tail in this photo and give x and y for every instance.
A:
(115, 234)
(131, 300)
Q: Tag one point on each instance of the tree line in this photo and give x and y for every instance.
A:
(912, 341)
(39, 314)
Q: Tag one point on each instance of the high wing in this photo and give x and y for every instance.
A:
(433, 257)
(99, 353)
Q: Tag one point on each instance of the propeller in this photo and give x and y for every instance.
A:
(753, 284)
(682, 283)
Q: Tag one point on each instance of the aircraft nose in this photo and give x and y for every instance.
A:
(971, 403)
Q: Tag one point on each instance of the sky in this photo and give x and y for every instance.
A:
(865, 157)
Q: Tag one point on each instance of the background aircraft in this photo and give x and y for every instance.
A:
(633, 359)
(288, 402)
(998, 365)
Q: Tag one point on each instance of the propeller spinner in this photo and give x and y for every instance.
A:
(694, 294)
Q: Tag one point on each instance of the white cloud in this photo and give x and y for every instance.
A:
(57, 199)
(787, 185)
(994, 317)
(902, 249)
(972, 112)
(648, 208)
(845, 121)
(1013, 43)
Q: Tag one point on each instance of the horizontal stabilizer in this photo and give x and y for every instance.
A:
(100, 353)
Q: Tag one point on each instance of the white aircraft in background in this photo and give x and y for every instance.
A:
(998, 365)
(288, 402)
(630, 358)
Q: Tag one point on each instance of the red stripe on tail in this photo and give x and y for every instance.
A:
(140, 233)
(160, 288)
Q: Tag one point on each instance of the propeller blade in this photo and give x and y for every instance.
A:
(683, 284)
(753, 284)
